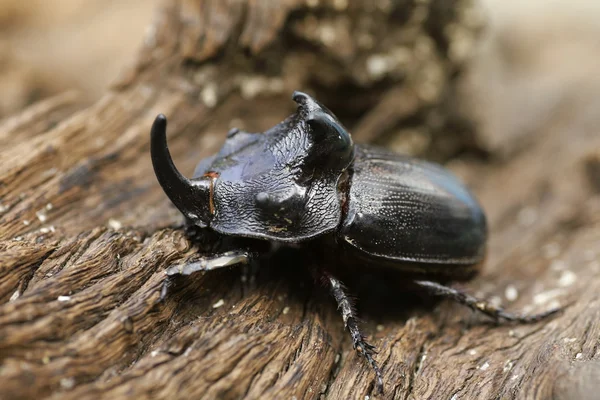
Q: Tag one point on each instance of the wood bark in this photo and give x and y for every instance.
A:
(85, 229)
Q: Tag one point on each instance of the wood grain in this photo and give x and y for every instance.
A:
(86, 232)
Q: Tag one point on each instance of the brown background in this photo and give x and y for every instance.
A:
(83, 244)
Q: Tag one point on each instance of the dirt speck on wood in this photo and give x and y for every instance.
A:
(86, 232)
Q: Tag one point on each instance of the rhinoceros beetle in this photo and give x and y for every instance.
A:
(304, 182)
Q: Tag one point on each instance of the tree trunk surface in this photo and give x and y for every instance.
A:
(85, 228)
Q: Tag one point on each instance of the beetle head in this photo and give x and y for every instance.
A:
(193, 197)
(278, 185)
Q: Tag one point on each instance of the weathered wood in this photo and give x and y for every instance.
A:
(85, 237)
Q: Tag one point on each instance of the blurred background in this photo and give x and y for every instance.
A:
(538, 53)
(532, 74)
(47, 47)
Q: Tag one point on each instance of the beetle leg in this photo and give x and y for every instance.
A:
(349, 316)
(209, 263)
(202, 263)
(497, 313)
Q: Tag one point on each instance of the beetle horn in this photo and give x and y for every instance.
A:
(316, 114)
(302, 98)
(335, 148)
(191, 197)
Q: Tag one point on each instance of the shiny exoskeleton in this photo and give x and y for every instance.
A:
(304, 180)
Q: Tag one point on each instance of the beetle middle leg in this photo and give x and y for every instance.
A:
(338, 291)
(483, 306)
(204, 263)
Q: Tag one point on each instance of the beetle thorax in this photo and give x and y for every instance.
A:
(282, 185)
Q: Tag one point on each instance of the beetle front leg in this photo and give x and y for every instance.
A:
(203, 263)
(483, 306)
(337, 289)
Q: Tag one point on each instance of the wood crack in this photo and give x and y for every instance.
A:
(87, 323)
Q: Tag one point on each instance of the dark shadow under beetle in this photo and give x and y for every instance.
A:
(305, 183)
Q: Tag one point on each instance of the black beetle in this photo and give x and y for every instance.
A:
(305, 182)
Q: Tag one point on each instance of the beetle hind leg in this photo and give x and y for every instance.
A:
(344, 302)
(203, 263)
(482, 306)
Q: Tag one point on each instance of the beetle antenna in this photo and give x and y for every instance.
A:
(191, 197)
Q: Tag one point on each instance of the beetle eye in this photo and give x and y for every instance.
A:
(331, 138)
